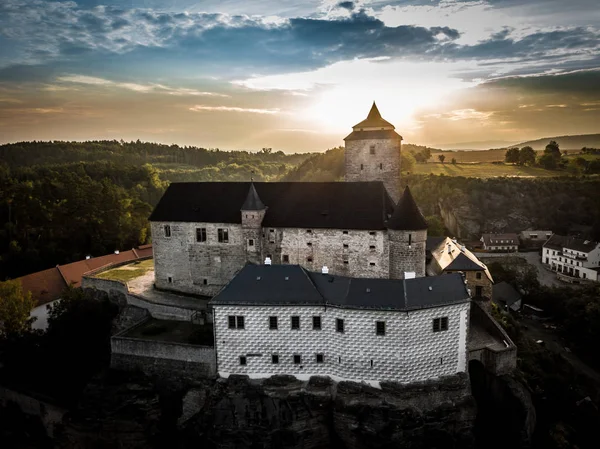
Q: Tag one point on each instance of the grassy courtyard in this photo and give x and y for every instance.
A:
(128, 272)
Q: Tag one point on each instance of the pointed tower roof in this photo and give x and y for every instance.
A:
(407, 216)
(253, 201)
(373, 121)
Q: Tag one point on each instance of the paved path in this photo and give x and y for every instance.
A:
(545, 276)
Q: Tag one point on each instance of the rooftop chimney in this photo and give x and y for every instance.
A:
(116, 251)
(324, 270)
(268, 261)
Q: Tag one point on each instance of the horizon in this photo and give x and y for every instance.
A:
(296, 76)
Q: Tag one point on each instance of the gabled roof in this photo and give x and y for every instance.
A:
(253, 201)
(463, 263)
(560, 242)
(555, 242)
(45, 286)
(329, 205)
(407, 216)
(373, 120)
(264, 285)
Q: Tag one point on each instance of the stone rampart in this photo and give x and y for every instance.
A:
(162, 358)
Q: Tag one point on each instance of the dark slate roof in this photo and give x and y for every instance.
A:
(433, 242)
(253, 201)
(267, 285)
(374, 120)
(583, 245)
(407, 216)
(555, 242)
(506, 293)
(375, 134)
(463, 263)
(336, 205)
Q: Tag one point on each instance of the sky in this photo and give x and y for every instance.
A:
(296, 75)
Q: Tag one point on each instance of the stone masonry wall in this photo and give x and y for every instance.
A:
(405, 257)
(155, 357)
(409, 351)
(384, 165)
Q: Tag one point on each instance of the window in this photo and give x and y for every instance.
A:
(372, 149)
(170, 280)
(295, 322)
(167, 231)
(346, 246)
(242, 360)
(316, 322)
(339, 325)
(361, 166)
(309, 231)
(371, 264)
(371, 247)
(205, 281)
(274, 359)
(380, 327)
(319, 358)
(380, 166)
(440, 324)
(309, 259)
(297, 359)
(271, 230)
(250, 242)
(478, 275)
(372, 233)
(272, 322)
(308, 244)
(223, 235)
(409, 239)
(345, 232)
(235, 322)
(201, 234)
(286, 258)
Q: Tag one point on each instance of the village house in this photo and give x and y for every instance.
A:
(573, 259)
(506, 296)
(534, 239)
(500, 242)
(283, 319)
(448, 256)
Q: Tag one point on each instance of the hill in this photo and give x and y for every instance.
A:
(565, 142)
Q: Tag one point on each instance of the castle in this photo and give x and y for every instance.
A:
(204, 233)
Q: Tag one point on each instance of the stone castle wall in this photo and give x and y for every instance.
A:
(409, 351)
(405, 257)
(384, 165)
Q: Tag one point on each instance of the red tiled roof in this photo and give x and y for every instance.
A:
(46, 286)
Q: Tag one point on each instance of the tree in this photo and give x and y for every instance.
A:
(435, 226)
(548, 161)
(407, 162)
(512, 156)
(442, 158)
(15, 308)
(552, 149)
(454, 160)
(526, 156)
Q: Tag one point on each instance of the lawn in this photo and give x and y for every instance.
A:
(128, 272)
(483, 170)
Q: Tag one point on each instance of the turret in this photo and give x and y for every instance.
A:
(373, 153)
(407, 234)
(253, 212)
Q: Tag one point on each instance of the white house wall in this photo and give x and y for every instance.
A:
(410, 351)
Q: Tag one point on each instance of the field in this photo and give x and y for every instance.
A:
(477, 156)
(483, 170)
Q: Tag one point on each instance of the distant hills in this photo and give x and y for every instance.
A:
(564, 142)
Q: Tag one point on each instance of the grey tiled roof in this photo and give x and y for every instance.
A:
(292, 285)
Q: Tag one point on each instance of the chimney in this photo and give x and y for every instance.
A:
(116, 251)
(88, 257)
(324, 270)
(268, 261)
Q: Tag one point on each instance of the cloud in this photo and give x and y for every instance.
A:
(142, 88)
(200, 108)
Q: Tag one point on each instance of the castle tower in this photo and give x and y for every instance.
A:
(407, 233)
(373, 153)
(253, 211)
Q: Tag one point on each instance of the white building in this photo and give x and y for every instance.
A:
(572, 258)
(500, 242)
(282, 319)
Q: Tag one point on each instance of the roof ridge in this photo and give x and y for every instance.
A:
(312, 283)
